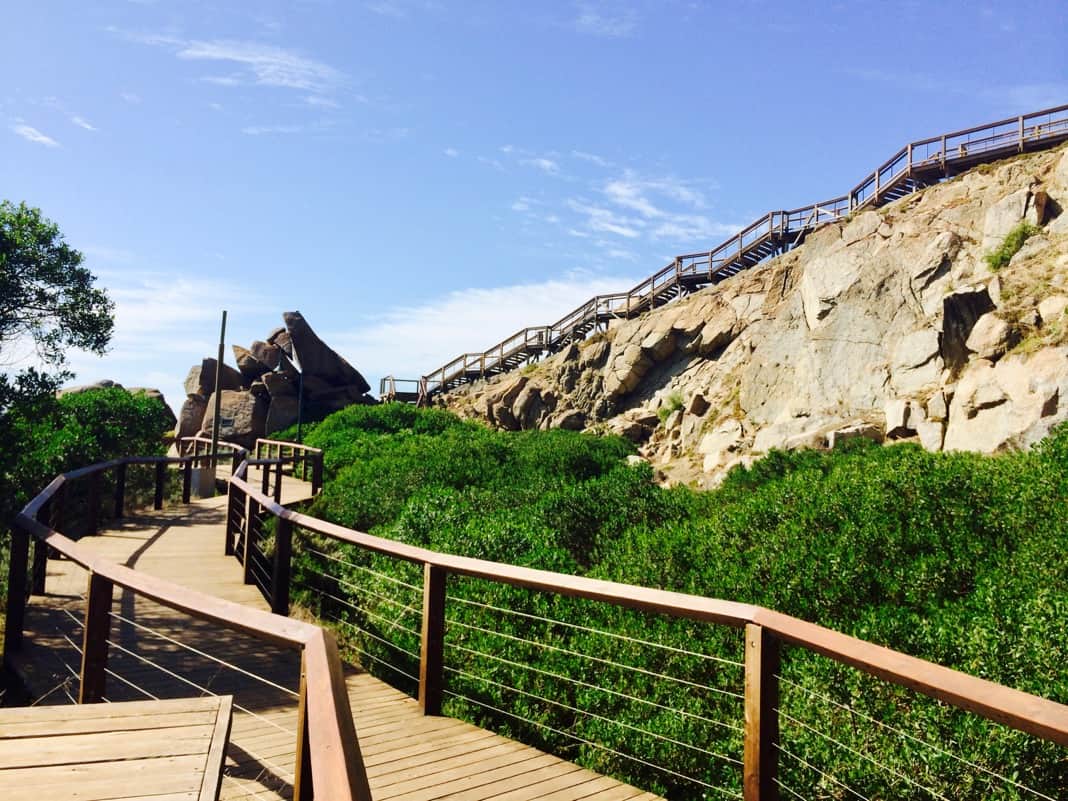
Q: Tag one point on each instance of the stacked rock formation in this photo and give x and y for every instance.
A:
(263, 394)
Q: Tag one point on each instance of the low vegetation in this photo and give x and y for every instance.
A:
(1010, 246)
(43, 437)
(957, 558)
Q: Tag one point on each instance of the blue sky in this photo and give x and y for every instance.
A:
(423, 177)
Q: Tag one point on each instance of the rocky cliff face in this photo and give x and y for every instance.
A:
(890, 325)
(262, 395)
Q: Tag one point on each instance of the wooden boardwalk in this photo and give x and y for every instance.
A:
(158, 653)
(158, 750)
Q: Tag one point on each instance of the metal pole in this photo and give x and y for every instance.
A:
(300, 406)
(218, 398)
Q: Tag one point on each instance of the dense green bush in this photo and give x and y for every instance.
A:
(44, 437)
(956, 558)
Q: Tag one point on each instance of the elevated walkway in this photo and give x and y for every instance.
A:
(159, 653)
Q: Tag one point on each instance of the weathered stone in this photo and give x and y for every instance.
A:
(1052, 308)
(960, 311)
(916, 362)
(104, 383)
(248, 365)
(265, 353)
(991, 337)
(593, 354)
(931, 434)
(190, 416)
(242, 417)
(897, 419)
(570, 420)
(698, 405)
(280, 384)
(659, 344)
(937, 407)
(201, 378)
(528, 407)
(870, 431)
(316, 357)
(281, 413)
(1003, 216)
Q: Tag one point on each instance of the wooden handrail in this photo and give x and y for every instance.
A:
(337, 770)
(868, 190)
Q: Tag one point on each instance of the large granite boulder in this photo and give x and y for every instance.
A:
(201, 378)
(316, 358)
(242, 417)
(250, 367)
(191, 416)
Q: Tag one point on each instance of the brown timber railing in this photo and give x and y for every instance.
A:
(328, 763)
(765, 633)
(916, 165)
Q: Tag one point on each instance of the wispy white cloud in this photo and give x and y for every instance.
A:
(266, 65)
(265, 130)
(387, 8)
(318, 101)
(603, 220)
(130, 97)
(410, 341)
(31, 134)
(609, 20)
(451, 152)
(491, 162)
(592, 158)
(223, 80)
(82, 122)
(545, 165)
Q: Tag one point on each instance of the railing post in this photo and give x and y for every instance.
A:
(58, 504)
(16, 591)
(302, 771)
(187, 480)
(95, 640)
(283, 552)
(251, 521)
(317, 473)
(278, 479)
(761, 753)
(1021, 133)
(40, 556)
(235, 461)
(265, 478)
(432, 647)
(120, 491)
(92, 512)
(161, 477)
(231, 505)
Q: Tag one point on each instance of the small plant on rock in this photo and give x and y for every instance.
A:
(1011, 245)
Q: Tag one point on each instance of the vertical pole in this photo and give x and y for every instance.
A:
(300, 405)
(120, 491)
(302, 773)
(265, 482)
(187, 480)
(58, 504)
(92, 512)
(16, 591)
(40, 557)
(283, 551)
(215, 422)
(278, 479)
(432, 648)
(1021, 134)
(231, 506)
(161, 477)
(95, 640)
(761, 754)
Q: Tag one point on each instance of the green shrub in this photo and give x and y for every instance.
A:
(1011, 245)
(671, 405)
(957, 558)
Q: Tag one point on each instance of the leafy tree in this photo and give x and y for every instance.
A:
(47, 299)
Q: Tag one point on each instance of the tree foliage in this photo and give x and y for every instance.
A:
(47, 301)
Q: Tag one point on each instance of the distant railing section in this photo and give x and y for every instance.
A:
(328, 763)
(916, 165)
